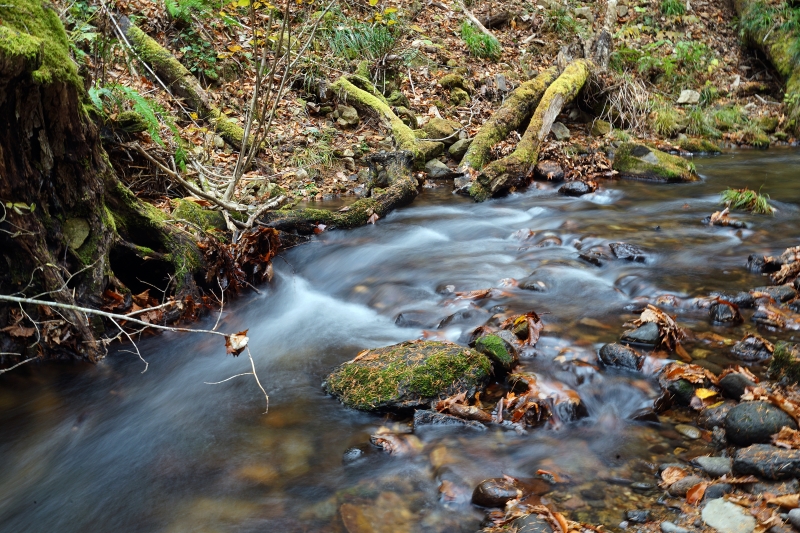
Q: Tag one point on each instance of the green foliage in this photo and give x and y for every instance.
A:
(199, 55)
(318, 153)
(708, 94)
(673, 7)
(728, 118)
(560, 21)
(362, 41)
(693, 56)
(664, 119)
(700, 123)
(747, 200)
(785, 363)
(182, 9)
(624, 58)
(479, 44)
(760, 18)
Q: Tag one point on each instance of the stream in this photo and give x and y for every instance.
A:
(107, 448)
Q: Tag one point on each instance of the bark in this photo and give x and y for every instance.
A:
(393, 168)
(777, 45)
(516, 169)
(182, 82)
(603, 45)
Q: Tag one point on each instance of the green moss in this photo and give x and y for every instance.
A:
(785, 363)
(205, 218)
(408, 374)
(696, 145)
(637, 161)
(496, 348)
(32, 28)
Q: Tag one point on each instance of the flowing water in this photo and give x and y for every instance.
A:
(108, 448)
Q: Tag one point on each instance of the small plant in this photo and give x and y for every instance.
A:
(479, 44)
(708, 94)
(560, 21)
(693, 56)
(182, 9)
(785, 363)
(728, 118)
(665, 119)
(318, 153)
(362, 41)
(673, 7)
(199, 55)
(747, 200)
(699, 123)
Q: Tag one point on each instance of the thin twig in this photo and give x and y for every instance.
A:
(9, 369)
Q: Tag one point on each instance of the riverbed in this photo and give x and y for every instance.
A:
(109, 448)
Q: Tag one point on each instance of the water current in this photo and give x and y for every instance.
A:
(107, 448)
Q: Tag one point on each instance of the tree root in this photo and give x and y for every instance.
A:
(180, 80)
(515, 169)
(371, 100)
(402, 189)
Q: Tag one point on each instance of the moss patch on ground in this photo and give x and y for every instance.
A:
(407, 375)
(785, 363)
(637, 161)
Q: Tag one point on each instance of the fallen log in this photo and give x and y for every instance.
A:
(515, 169)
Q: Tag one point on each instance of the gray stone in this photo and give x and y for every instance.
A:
(751, 348)
(711, 417)
(752, 422)
(769, 462)
(637, 516)
(348, 116)
(621, 356)
(794, 518)
(459, 148)
(724, 313)
(690, 432)
(669, 527)
(778, 488)
(423, 418)
(560, 131)
(548, 171)
(733, 385)
(727, 517)
(714, 466)
(717, 490)
(584, 12)
(646, 334)
(219, 142)
(576, 188)
(621, 12)
(437, 169)
(628, 252)
(779, 293)
(682, 486)
(532, 524)
(689, 96)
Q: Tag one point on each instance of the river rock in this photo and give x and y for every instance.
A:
(442, 130)
(724, 313)
(466, 317)
(752, 348)
(637, 516)
(502, 351)
(751, 422)
(425, 417)
(714, 466)
(740, 299)
(548, 171)
(628, 252)
(733, 385)
(600, 128)
(711, 417)
(690, 432)
(647, 334)
(681, 390)
(495, 492)
(637, 161)
(459, 148)
(669, 527)
(409, 374)
(768, 462)
(717, 490)
(437, 169)
(621, 356)
(727, 517)
(348, 116)
(778, 488)
(576, 188)
(560, 131)
(682, 486)
(532, 524)
(688, 96)
(532, 283)
(779, 293)
(794, 518)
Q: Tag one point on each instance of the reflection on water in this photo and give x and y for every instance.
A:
(106, 448)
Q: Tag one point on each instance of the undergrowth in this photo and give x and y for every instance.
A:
(673, 7)
(362, 41)
(478, 43)
(747, 200)
(761, 18)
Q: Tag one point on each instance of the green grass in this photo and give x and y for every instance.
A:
(699, 123)
(362, 41)
(479, 44)
(785, 363)
(747, 200)
(560, 21)
(760, 18)
(664, 119)
(318, 154)
(673, 7)
(728, 118)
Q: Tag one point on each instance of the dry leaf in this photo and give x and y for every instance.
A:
(787, 438)
(234, 344)
(695, 494)
(788, 501)
(672, 474)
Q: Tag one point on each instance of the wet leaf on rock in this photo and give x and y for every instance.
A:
(787, 438)
(788, 501)
(671, 475)
(671, 333)
(695, 494)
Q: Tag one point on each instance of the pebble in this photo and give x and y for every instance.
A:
(718, 490)
(669, 527)
(681, 487)
(495, 492)
(714, 466)
(727, 517)
(690, 432)
(794, 518)
(637, 516)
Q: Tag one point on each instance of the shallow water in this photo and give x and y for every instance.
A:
(108, 448)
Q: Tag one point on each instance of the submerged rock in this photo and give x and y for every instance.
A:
(638, 161)
(647, 334)
(424, 418)
(495, 492)
(724, 313)
(752, 422)
(769, 462)
(532, 524)
(501, 350)
(621, 356)
(628, 252)
(409, 374)
(576, 188)
(779, 293)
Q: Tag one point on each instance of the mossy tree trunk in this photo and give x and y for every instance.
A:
(79, 214)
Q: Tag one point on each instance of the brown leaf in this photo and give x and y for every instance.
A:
(787, 438)
(672, 474)
(19, 331)
(234, 344)
(695, 494)
(373, 218)
(788, 501)
(142, 298)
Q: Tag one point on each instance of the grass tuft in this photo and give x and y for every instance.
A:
(479, 44)
(747, 200)
(673, 7)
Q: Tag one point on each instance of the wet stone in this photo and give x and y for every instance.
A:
(752, 422)
(628, 252)
(794, 518)
(682, 486)
(757, 263)
(637, 516)
(733, 385)
(669, 527)
(741, 299)
(621, 356)
(548, 171)
(425, 418)
(437, 169)
(751, 349)
(778, 488)
(717, 490)
(645, 414)
(576, 188)
(647, 334)
(499, 349)
(769, 462)
(469, 316)
(532, 284)
(495, 492)
(642, 486)
(352, 455)
(714, 466)
(724, 313)
(779, 293)
(727, 517)
(681, 391)
(690, 432)
(714, 416)
(532, 524)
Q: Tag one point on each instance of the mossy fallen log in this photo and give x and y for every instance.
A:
(402, 189)
(371, 101)
(761, 26)
(181, 81)
(515, 169)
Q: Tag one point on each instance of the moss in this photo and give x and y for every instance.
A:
(156, 55)
(496, 348)
(131, 122)
(32, 28)
(785, 363)
(478, 192)
(637, 161)
(455, 81)
(698, 145)
(459, 97)
(191, 211)
(408, 374)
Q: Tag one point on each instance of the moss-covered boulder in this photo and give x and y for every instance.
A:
(407, 375)
(637, 161)
(459, 97)
(501, 350)
(441, 130)
(698, 145)
(205, 218)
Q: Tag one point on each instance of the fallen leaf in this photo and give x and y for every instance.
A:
(695, 494)
(373, 218)
(234, 344)
(788, 501)
(672, 474)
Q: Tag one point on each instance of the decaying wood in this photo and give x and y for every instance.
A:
(603, 45)
(496, 21)
(474, 20)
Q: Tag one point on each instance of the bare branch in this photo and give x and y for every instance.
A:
(9, 369)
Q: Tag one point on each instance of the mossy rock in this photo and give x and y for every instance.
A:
(131, 122)
(768, 124)
(441, 130)
(205, 218)
(637, 161)
(785, 363)
(456, 81)
(407, 375)
(501, 351)
(697, 145)
(407, 116)
(398, 99)
(458, 96)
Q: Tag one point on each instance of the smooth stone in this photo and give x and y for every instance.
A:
(459, 148)
(495, 492)
(621, 356)
(733, 385)
(548, 171)
(682, 486)
(717, 490)
(532, 524)
(723, 313)
(689, 96)
(794, 518)
(727, 517)
(751, 349)
(352, 455)
(426, 418)
(768, 462)
(600, 128)
(637, 516)
(711, 417)
(714, 466)
(690, 432)
(669, 527)
(628, 252)
(752, 422)
(348, 116)
(647, 334)
(576, 188)
(437, 169)
(560, 131)
(681, 390)
(779, 293)
(778, 488)
(740, 299)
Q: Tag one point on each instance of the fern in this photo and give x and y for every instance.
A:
(182, 9)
